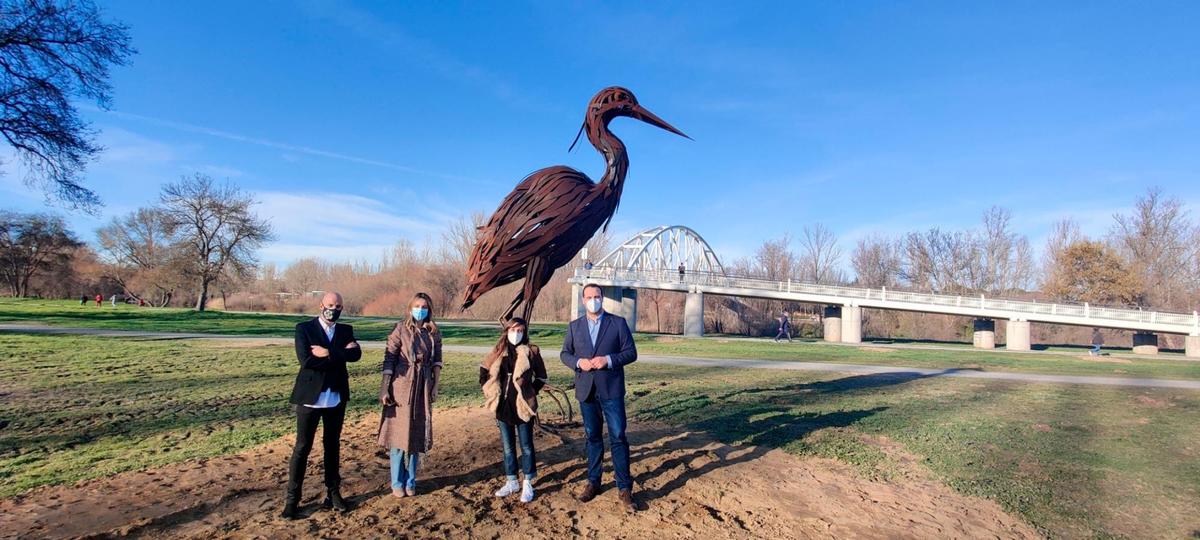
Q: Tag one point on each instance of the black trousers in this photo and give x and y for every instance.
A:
(331, 439)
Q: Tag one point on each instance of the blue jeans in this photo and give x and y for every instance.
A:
(597, 412)
(524, 432)
(404, 469)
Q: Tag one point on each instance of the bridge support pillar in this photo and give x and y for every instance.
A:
(693, 314)
(985, 334)
(1191, 346)
(851, 324)
(629, 304)
(833, 324)
(1145, 343)
(576, 301)
(614, 301)
(1017, 336)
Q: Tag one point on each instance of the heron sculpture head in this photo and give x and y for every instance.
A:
(610, 103)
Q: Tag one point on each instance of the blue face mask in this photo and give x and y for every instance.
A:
(419, 313)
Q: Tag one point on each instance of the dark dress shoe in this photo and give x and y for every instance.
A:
(289, 510)
(626, 497)
(588, 493)
(335, 501)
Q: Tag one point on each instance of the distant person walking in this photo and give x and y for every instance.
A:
(319, 395)
(99, 300)
(681, 272)
(785, 328)
(113, 300)
(1097, 342)
(412, 367)
(83, 299)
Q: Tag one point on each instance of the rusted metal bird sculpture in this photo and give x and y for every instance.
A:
(553, 212)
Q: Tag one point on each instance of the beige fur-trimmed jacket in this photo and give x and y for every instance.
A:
(528, 377)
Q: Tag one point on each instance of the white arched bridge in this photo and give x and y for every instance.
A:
(652, 259)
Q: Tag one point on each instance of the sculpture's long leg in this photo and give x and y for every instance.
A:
(537, 274)
(513, 306)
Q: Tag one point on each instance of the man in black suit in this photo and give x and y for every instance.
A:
(320, 395)
(597, 347)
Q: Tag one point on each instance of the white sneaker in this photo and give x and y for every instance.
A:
(527, 492)
(509, 488)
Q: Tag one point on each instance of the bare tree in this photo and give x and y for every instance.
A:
(939, 261)
(775, 260)
(305, 275)
(1005, 261)
(1156, 241)
(458, 240)
(52, 52)
(820, 255)
(876, 262)
(31, 244)
(217, 230)
(141, 255)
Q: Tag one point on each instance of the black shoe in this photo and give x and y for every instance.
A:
(335, 501)
(289, 510)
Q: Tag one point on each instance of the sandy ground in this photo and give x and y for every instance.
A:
(686, 484)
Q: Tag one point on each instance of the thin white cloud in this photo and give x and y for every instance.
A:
(123, 147)
(338, 226)
(287, 148)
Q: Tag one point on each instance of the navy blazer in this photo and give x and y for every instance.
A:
(330, 372)
(614, 338)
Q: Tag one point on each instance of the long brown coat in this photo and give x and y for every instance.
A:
(414, 360)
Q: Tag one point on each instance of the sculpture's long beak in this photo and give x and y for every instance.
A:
(648, 117)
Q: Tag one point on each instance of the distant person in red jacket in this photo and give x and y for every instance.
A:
(99, 300)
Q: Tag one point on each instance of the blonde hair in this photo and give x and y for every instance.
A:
(433, 327)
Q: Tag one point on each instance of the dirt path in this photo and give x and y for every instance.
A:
(687, 485)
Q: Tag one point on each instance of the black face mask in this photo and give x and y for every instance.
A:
(331, 314)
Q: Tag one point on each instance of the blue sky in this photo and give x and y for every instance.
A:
(360, 124)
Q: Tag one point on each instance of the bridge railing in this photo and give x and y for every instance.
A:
(1018, 307)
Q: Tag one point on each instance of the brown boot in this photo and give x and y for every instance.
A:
(626, 497)
(588, 492)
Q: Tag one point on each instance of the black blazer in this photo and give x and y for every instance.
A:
(316, 374)
(614, 338)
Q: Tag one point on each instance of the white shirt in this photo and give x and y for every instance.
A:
(328, 398)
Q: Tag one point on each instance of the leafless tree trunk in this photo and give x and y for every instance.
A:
(1156, 241)
(876, 262)
(216, 227)
(820, 255)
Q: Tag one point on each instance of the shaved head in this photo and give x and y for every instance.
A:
(331, 300)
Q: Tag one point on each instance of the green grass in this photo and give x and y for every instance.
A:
(1075, 461)
(1060, 360)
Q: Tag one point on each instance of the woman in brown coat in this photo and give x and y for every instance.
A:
(511, 376)
(412, 367)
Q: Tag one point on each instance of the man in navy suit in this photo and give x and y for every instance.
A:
(598, 346)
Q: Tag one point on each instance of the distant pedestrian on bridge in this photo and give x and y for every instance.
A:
(681, 272)
(1097, 342)
(785, 328)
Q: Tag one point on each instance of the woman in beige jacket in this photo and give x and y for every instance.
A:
(412, 367)
(511, 376)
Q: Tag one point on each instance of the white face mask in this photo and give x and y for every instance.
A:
(593, 305)
(515, 337)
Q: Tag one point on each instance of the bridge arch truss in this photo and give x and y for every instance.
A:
(663, 248)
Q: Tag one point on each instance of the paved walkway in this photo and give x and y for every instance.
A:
(898, 371)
